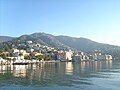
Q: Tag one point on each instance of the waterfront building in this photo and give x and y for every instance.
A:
(2, 60)
(104, 57)
(20, 57)
(78, 57)
(64, 55)
(80, 53)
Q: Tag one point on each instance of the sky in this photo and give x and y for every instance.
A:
(98, 20)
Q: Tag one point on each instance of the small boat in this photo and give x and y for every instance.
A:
(66, 60)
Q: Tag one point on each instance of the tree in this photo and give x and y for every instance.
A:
(39, 57)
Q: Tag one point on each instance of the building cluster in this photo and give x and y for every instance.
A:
(55, 54)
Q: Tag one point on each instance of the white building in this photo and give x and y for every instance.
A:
(80, 57)
(64, 55)
(104, 57)
(20, 57)
(80, 53)
(29, 42)
(76, 58)
(23, 52)
(2, 60)
(15, 51)
(30, 50)
(17, 58)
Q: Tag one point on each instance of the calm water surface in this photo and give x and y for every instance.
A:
(94, 75)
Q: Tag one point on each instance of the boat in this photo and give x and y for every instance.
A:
(66, 60)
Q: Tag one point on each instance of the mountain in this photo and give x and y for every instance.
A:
(41, 38)
(84, 44)
(63, 42)
(6, 38)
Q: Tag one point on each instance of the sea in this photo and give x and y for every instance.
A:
(86, 75)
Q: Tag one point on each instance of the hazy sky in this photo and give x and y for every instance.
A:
(98, 20)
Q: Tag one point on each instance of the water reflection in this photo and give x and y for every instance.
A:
(19, 70)
(59, 73)
(47, 70)
(69, 68)
(5, 68)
